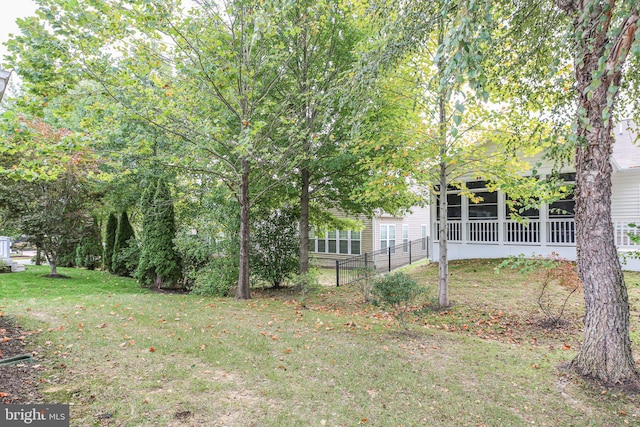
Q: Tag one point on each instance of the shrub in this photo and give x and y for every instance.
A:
(121, 262)
(160, 263)
(110, 240)
(307, 285)
(275, 247)
(4, 268)
(396, 291)
(549, 270)
(89, 251)
(217, 278)
(365, 277)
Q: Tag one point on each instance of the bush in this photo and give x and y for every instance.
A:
(549, 270)
(307, 285)
(275, 246)
(89, 251)
(365, 277)
(121, 262)
(217, 278)
(4, 268)
(110, 240)
(160, 264)
(396, 291)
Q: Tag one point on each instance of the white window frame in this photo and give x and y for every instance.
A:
(385, 236)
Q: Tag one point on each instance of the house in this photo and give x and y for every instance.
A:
(379, 233)
(485, 229)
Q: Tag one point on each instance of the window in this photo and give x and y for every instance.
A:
(388, 237)
(355, 242)
(487, 208)
(405, 238)
(336, 242)
(454, 206)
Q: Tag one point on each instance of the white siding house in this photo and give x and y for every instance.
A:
(484, 230)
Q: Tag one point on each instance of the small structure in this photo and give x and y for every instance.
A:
(5, 254)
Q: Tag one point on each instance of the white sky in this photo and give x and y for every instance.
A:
(10, 10)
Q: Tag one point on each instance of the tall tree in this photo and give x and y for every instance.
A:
(124, 241)
(110, 240)
(206, 76)
(159, 264)
(604, 33)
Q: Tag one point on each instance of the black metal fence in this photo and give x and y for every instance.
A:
(361, 266)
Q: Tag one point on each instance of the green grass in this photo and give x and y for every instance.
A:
(123, 356)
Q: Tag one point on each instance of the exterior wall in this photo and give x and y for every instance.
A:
(323, 259)
(625, 194)
(418, 217)
(370, 235)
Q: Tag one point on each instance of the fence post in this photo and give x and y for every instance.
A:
(410, 245)
(389, 251)
(365, 261)
(337, 273)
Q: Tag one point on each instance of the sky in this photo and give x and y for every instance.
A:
(10, 10)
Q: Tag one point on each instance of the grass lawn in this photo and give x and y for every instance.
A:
(123, 356)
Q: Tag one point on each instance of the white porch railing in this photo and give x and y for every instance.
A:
(561, 231)
(621, 231)
(522, 232)
(482, 231)
(558, 232)
(455, 231)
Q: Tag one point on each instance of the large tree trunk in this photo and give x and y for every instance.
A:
(243, 290)
(605, 354)
(304, 222)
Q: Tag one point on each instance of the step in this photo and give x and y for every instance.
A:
(17, 267)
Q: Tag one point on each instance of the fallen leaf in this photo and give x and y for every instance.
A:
(152, 349)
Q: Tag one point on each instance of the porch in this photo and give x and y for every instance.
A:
(498, 238)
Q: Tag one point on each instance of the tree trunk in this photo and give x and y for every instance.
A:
(304, 221)
(443, 228)
(243, 290)
(605, 355)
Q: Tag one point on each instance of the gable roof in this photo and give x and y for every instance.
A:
(626, 152)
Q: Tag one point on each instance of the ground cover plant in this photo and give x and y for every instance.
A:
(126, 356)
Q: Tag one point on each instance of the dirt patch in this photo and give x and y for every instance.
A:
(19, 382)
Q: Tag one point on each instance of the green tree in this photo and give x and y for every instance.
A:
(89, 251)
(275, 251)
(110, 240)
(53, 210)
(122, 264)
(160, 264)
(602, 36)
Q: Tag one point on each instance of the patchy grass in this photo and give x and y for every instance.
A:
(123, 356)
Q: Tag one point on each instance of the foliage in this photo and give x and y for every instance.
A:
(365, 278)
(110, 240)
(397, 291)
(89, 250)
(196, 254)
(548, 271)
(307, 285)
(51, 205)
(634, 236)
(4, 267)
(122, 263)
(275, 246)
(217, 278)
(160, 264)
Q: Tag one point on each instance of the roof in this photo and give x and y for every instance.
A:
(626, 151)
